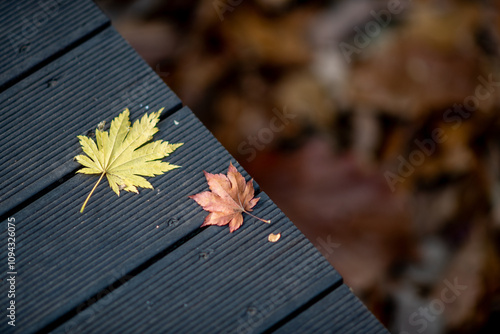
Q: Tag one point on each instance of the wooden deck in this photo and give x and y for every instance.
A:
(134, 263)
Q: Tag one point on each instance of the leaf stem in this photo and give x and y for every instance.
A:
(262, 220)
(248, 213)
(91, 192)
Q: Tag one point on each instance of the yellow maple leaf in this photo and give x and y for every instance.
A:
(122, 156)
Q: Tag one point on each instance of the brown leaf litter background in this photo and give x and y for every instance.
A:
(352, 123)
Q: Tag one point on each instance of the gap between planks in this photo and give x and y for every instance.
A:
(23, 75)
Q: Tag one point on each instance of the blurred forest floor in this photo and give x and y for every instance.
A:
(374, 126)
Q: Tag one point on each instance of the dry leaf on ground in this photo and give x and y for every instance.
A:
(230, 196)
(122, 156)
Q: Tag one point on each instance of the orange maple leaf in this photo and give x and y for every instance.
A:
(230, 196)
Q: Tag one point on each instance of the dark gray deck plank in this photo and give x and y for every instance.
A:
(33, 31)
(41, 116)
(67, 257)
(218, 282)
(338, 312)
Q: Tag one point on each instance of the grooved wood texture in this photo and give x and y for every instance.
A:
(68, 257)
(35, 30)
(217, 283)
(66, 98)
(338, 312)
